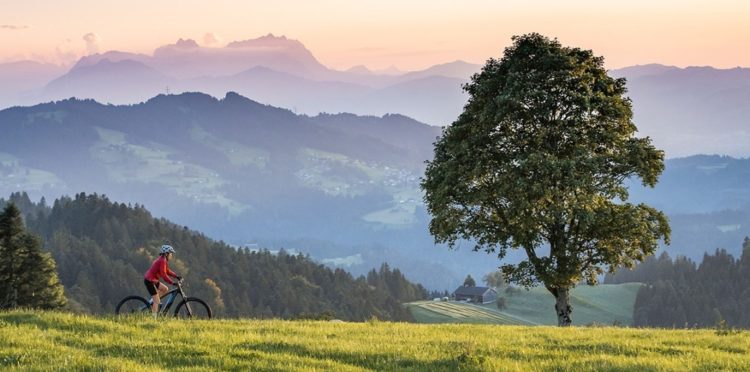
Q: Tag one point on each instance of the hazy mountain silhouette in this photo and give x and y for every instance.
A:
(692, 110)
(112, 56)
(685, 110)
(125, 81)
(20, 82)
(457, 69)
(186, 59)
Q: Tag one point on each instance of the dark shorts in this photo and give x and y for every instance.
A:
(151, 286)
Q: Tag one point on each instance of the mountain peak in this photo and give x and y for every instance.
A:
(359, 69)
(180, 45)
(185, 44)
(269, 40)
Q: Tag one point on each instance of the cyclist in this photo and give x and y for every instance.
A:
(160, 270)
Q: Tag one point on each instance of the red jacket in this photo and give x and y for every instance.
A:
(159, 270)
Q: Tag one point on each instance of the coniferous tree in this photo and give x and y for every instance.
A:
(28, 275)
(41, 288)
(11, 251)
(469, 281)
(679, 293)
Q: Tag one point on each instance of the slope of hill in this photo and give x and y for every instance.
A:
(33, 340)
(602, 304)
(126, 81)
(459, 312)
(341, 187)
(691, 110)
(22, 81)
(102, 250)
(699, 184)
(244, 172)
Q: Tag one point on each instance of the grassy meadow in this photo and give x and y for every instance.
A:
(605, 304)
(31, 340)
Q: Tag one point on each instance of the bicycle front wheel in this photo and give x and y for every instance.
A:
(133, 305)
(193, 308)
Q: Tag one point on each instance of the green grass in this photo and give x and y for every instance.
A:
(237, 153)
(455, 312)
(602, 304)
(45, 341)
(14, 176)
(126, 162)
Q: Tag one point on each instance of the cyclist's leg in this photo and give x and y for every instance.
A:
(153, 291)
(162, 289)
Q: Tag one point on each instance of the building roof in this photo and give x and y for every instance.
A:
(472, 291)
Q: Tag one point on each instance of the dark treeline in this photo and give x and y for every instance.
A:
(680, 293)
(103, 248)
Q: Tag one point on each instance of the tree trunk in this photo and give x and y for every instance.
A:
(562, 306)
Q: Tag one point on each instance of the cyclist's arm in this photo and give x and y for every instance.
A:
(164, 273)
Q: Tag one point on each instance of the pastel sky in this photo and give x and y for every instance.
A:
(409, 34)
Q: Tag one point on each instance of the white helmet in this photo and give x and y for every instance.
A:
(166, 249)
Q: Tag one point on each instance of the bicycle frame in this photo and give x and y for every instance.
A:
(170, 299)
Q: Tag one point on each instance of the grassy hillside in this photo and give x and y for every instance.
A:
(36, 340)
(457, 312)
(602, 304)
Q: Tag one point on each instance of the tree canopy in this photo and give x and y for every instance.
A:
(469, 281)
(537, 162)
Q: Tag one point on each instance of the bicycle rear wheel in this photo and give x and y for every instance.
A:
(193, 308)
(133, 305)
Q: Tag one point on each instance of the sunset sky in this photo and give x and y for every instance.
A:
(407, 34)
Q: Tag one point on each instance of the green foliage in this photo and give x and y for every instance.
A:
(682, 294)
(28, 274)
(501, 305)
(103, 249)
(494, 279)
(43, 341)
(469, 281)
(538, 159)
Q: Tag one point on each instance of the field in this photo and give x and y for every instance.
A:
(603, 304)
(41, 341)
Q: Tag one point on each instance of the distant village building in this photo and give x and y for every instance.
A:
(480, 295)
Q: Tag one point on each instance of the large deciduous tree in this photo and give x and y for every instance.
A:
(537, 161)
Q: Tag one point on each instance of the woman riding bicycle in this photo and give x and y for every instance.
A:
(160, 270)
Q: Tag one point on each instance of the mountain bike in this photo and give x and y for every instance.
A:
(189, 307)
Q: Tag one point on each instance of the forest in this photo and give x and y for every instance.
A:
(680, 293)
(102, 249)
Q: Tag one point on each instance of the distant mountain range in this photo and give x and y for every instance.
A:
(342, 187)
(686, 110)
(692, 110)
(270, 69)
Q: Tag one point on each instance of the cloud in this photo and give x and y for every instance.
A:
(92, 42)
(211, 39)
(13, 27)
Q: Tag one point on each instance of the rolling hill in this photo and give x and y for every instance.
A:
(602, 304)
